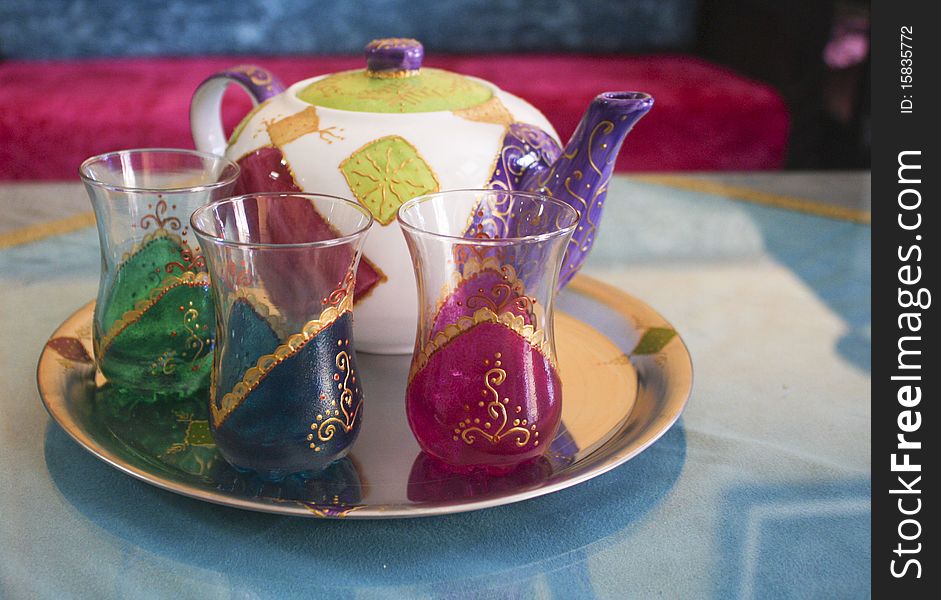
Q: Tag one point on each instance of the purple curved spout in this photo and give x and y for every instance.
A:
(580, 176)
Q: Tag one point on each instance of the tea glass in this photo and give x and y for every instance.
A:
(483, 388)
(286, 395)
(153, 324)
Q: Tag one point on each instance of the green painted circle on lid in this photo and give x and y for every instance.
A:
(428, 90)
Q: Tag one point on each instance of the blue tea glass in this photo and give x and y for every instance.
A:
(286, 395)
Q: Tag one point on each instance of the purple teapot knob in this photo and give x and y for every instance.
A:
(394, 57)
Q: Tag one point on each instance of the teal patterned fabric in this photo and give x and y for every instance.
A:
(88, 28)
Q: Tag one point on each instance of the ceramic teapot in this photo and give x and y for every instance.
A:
(396, 130)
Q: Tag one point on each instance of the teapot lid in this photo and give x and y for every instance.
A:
(395, 82)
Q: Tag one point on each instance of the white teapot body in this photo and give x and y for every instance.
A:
(380, 159)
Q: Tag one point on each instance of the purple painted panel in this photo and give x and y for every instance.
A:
(260, 83)
(580, 177)
(531, 160)
(525, 152)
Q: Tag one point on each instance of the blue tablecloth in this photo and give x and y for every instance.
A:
(762, 489)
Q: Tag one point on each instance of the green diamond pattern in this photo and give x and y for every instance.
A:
(385, 173)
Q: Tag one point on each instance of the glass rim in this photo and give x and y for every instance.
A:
(505, 241)
(83, 171)
(334, 241)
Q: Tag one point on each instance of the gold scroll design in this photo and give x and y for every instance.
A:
(344, 288)
(193, 341)
(326, 428)
(507, 163)
(160, 218)
(288, 129)
(491, 111)
(535, 337)
(258, 76)
(130, 317)
(167, 362)
(509, 158)
(497, 411)
(466, 252)
(603, 128)
(493, 222)
(221, 410)
(512, 288)
(471, 260)
(190, 259)
(494, 219)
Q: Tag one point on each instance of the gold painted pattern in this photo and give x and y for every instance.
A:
(335, 510)
(197, 434)
(130, 317)
(585, 219)
(474, 265)
(393, 74)
(508, 163)
(385, 173)
(497, 411)
(190, 317)
(391, 43)
(326, 425)
(330, 512)
(166, 363)
(160, 218)
(288, 129)
(265, 364)
(361, 91)
(535, 337)
(499, 296)
(491, 111)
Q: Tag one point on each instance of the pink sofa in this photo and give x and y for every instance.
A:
(55, 114)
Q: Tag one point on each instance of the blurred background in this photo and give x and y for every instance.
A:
(740, 85)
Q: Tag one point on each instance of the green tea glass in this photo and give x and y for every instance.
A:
(154, 323)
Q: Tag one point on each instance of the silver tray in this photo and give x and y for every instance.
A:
(626, 378)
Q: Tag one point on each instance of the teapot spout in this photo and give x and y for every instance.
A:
(581, 174)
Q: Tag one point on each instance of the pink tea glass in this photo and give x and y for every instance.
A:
(483, 388)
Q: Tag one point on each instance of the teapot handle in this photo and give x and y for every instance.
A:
(205, 117)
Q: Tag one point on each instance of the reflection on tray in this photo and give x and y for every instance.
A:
(433, 481)
(173, 437)
(608, 419)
